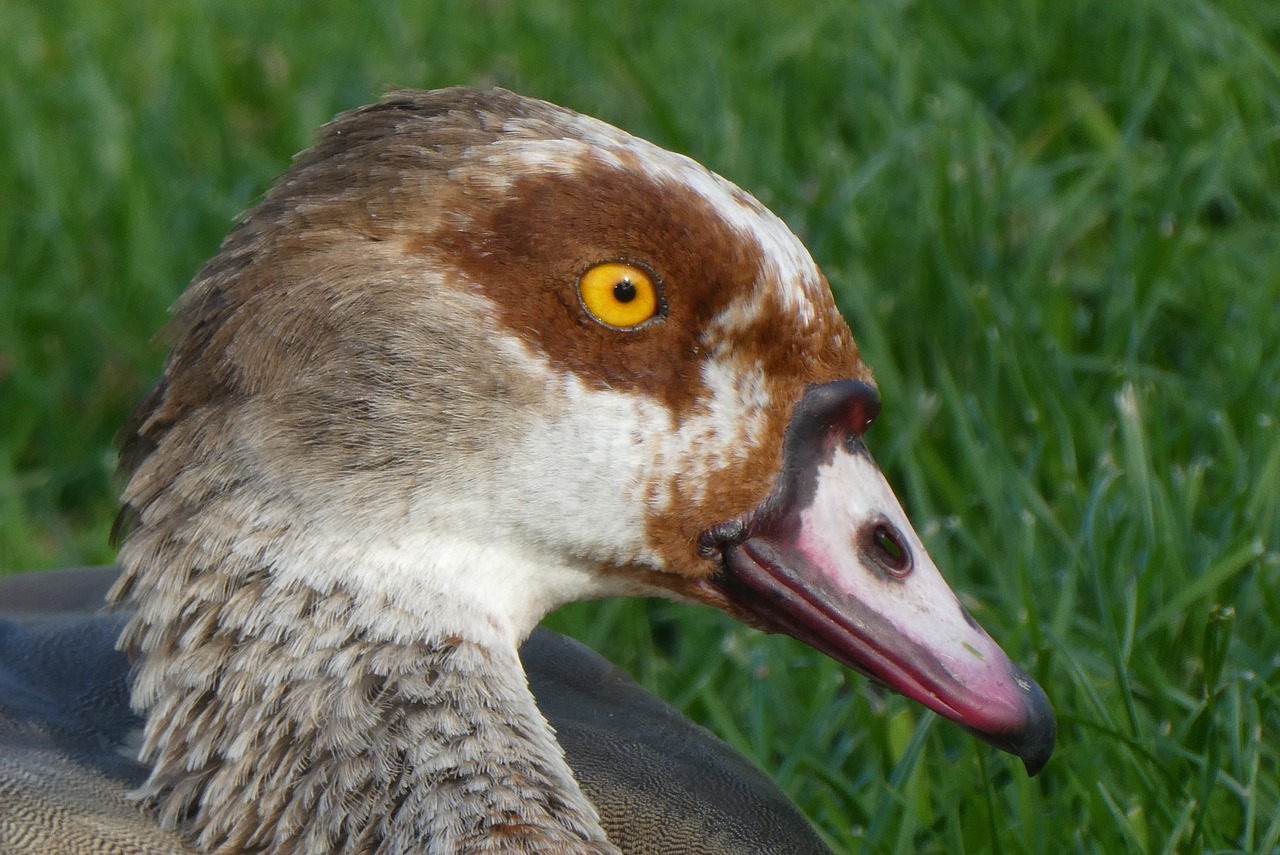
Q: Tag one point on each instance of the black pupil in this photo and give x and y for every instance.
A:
(624, 291)
(888, 544)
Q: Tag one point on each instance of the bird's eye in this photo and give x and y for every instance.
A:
(619, 294)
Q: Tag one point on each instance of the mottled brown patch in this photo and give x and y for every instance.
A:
(793, 358)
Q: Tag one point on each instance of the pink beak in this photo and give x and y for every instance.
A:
(830, 558)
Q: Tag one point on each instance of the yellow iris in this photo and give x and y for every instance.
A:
(618, 294)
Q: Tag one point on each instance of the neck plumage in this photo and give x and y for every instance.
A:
(284, 719)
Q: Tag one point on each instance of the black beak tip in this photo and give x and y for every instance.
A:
(1036, 741)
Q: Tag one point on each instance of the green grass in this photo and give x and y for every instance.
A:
(1055, 230)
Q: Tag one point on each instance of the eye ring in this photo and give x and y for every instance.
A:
(884, 547)
(621, 295)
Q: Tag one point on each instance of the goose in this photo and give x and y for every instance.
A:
(472, 357)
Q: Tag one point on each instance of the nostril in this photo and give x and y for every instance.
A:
(883, 546)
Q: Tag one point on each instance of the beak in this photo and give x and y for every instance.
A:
(830, 558)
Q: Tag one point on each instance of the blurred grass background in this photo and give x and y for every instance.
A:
(1055, 230)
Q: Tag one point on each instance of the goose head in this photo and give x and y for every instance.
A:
(475, 356)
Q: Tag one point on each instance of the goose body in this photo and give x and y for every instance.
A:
(475, 356)
(68, 742)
